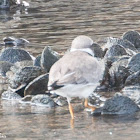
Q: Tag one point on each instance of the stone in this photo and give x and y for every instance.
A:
(133, 92)
(27, 98)
(14, 55)
(111, 41)
(43, 100)
(5, 67)
(12, 41)
(134, 63)
(37, 61)
(115, 50)
(133, 79)
(133, 37)
(61, 101)
(23, 76)
(38, 86)
(10, 95)
(118, 73)
(24, 63)
(98, 52)
(117, 105)
(48, 58)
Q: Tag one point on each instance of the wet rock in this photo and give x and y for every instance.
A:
(133, 37)
(10, 95)
(48, 58)
(118, 73)
(44, 100)
(38, 86)
(20, 90)
(4, 67)
(27, 98)
(37, 61)
(130, 48)
(133, 79)
(23, 76)
(115, 50)
(104, 83)
(134, 63)
(96, 99)
(61, 101)
(24, 63)
(12, 41)
(133, 92)
(118, 105)
(14, 55)
(98, 52)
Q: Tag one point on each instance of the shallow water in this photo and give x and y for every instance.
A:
(26, 121)
(56, 23)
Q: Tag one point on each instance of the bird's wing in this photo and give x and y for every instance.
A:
(80, 70)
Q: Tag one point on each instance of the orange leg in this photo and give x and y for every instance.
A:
(71, 111)
(88, 106)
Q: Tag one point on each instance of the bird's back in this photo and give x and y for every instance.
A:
(81, 69)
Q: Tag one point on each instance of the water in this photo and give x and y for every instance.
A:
(56, 23)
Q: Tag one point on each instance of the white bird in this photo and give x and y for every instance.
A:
(77, 73)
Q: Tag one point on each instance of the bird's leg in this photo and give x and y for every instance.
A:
(71, 111)
(88, 106)
(70, 108)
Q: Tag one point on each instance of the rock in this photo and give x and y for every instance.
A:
(98, 52)
(38, 86)
(134, 63)
(133, 92)
(37, 61)
(10, 95)
(24, 63)
(4, 67)
(12, 41)
(96, 99)
(104, 83)
(133, 37)
(27, 98)
(118, 105)
(14, 55)
(48, 58)
(44, 100)
(23, 76)
(115, 50)
(61, 101)
(133, 79)
(118, 73)
(111, 41)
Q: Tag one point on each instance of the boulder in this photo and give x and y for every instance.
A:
(48, 58)
(23, 76)
(134, 63)
(43, 100)
(118, 73)
(14, 55)
(133, 79)
(38, 86)
(133, 37)
(117, 105)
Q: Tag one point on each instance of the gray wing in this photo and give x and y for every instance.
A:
(75, 68)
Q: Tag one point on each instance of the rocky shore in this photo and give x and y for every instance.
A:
(26, 76)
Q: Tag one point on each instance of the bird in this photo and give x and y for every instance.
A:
(77, 73)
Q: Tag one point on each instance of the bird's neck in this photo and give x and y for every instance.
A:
(87, 50)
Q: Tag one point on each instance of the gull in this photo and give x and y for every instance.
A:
(77, 73)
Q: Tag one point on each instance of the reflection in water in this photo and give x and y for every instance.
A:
(56, 23)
